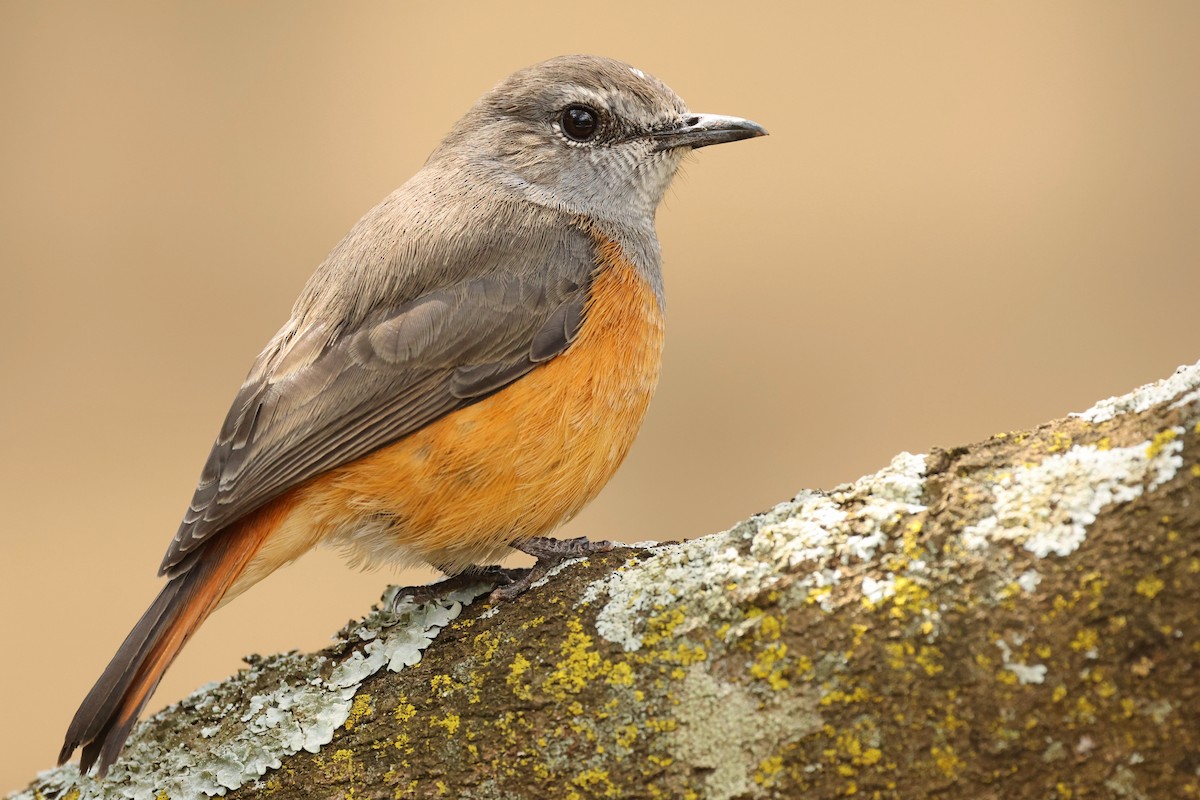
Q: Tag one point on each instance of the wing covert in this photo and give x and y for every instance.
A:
(319, 396)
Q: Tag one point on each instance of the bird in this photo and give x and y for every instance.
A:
(463, 372)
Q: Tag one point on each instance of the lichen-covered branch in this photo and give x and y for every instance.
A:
(1014, 619)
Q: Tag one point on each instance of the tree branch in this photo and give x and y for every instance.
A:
(1015, 619)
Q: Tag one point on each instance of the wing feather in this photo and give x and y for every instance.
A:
(314, 401)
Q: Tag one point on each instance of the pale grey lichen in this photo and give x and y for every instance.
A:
(1029, 580)
(815, 535)
(875, 591)
(1025, 673)
(1028, 673)
(300, 713)
(1123, 784)
(1047, 507)
(813, 541)
(817, 538)
(1186, 379)
(724, 731)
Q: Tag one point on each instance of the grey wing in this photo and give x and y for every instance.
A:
(318, 401)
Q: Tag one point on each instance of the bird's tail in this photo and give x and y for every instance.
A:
(108, 713)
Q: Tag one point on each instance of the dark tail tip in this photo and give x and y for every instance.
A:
(64, 755)
(107, 714)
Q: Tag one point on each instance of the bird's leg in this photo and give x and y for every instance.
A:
(549, 554)
(501, 576)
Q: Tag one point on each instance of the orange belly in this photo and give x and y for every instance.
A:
(514, 465)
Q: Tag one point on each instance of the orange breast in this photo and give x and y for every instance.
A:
(516, 464)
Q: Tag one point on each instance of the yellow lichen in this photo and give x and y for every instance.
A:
(596, 782)
(486, 644)
(1085, 710)
(946, 760)
(818, 594)
(405, 711)
(621, 674)
(518, 667)
(909, 596)
(662, 626)
(768, 770)
(1085, 640)
(580, 663)
(450, 723)
(859, 695)
(627, 735)
(1150, 586)
(684, 653)
(768, 667)
(1060, 442)
(359, 709)
(663, 725)
(929, 658)
(896, 652)
(1160, 440)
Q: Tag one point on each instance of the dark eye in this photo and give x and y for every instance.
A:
(580, 122)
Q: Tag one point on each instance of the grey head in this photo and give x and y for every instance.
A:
(584, 135)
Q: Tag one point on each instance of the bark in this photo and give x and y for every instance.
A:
(1014, 619)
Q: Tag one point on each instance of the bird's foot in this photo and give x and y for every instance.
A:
(500, 576)
(549, 553)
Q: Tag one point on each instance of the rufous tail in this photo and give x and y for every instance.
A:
(108, 713)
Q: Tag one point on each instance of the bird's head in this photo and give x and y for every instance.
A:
(586, 135)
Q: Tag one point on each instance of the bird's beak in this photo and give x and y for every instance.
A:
(701, 130)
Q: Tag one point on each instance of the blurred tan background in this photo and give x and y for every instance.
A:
(968, 218)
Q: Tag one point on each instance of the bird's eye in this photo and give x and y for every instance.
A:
(580, 122)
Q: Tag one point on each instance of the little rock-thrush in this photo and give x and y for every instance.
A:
(461, 375)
